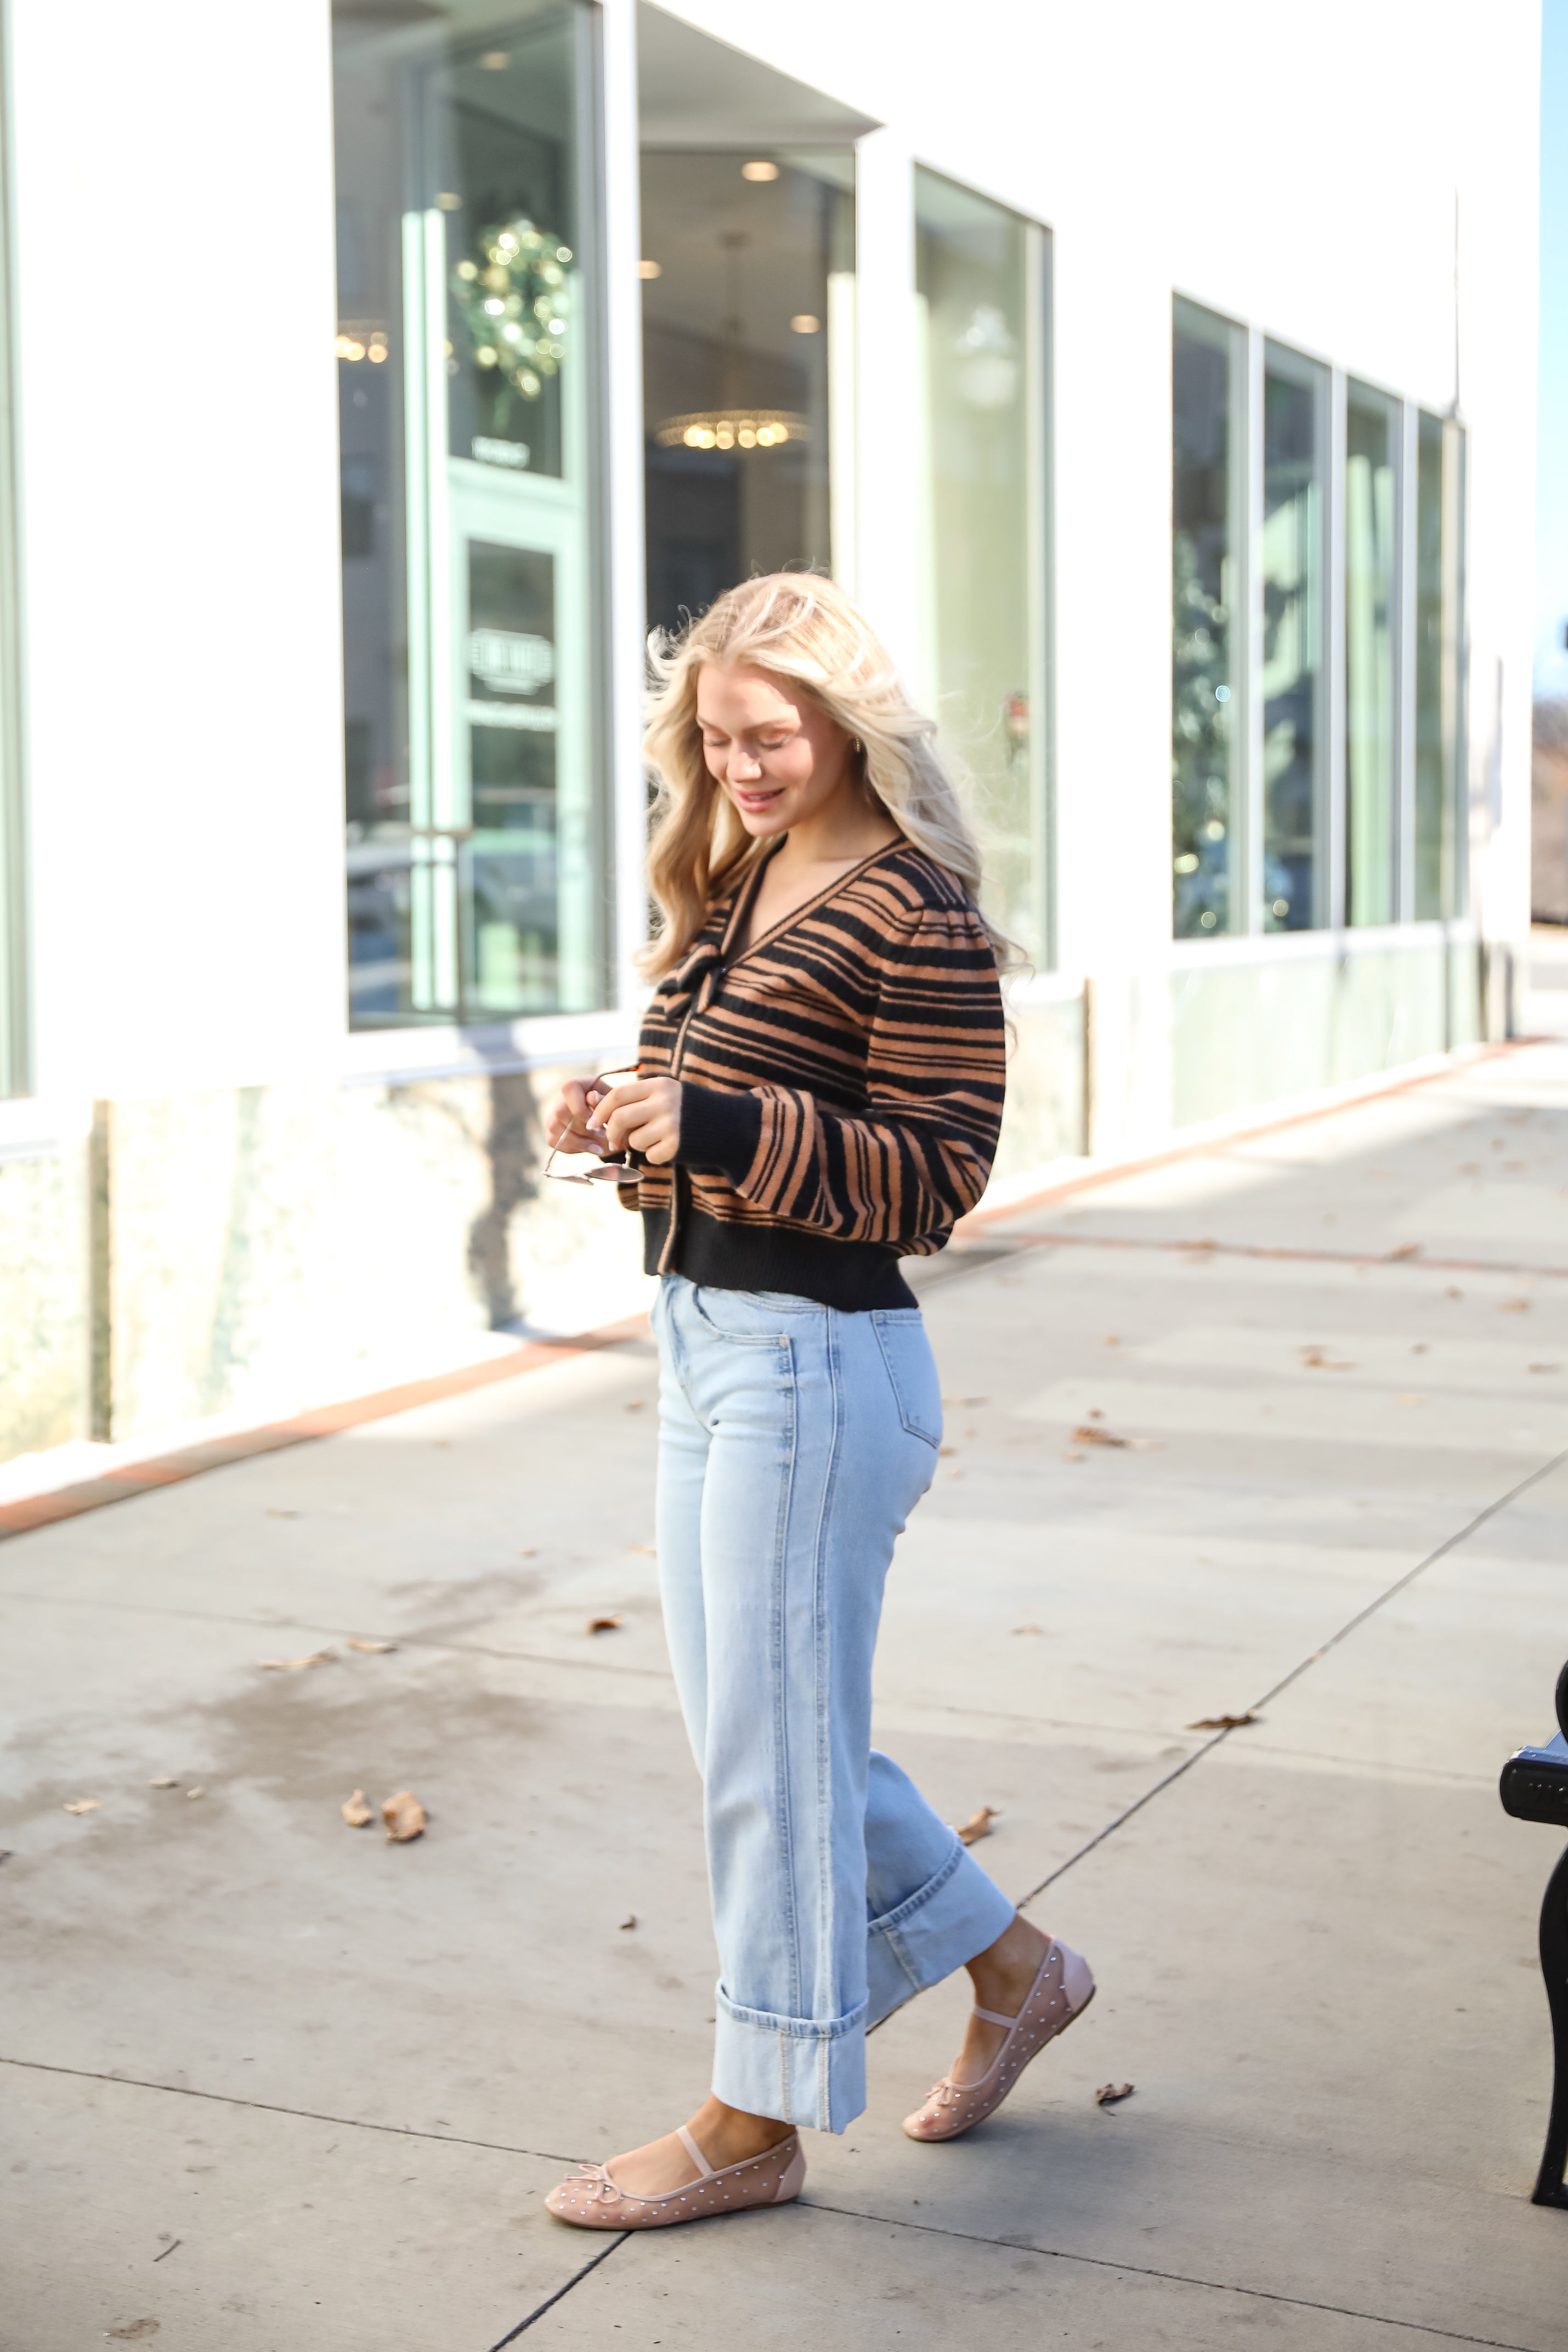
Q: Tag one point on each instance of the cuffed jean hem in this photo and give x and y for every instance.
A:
(797, 2069)
(959, 1912)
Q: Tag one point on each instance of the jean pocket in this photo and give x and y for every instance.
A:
(746, 1318)
(911, 1370)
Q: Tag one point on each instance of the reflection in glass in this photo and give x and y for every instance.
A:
(748, 339)
(465, 348)
(1435, 846)
(1294, 418)
(1208, 643)
(981, 289)
(1371, 655)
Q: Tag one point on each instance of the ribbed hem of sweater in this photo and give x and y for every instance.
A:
(854, 1276)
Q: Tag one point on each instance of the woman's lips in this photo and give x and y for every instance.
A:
(750, 800)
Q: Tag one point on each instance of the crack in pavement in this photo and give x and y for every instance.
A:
(1175, 2278)
(1449, 1544)
(811, 2204)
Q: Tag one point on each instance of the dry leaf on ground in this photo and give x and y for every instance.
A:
(1109, 2092)
(629, 1921)
(195, 1792)
(1075, 1457)
(1029, 1629)
(85, 1805)
(1409, 1396)
(1091, 1434)
(1516, 1306)
(602, 1624)
(356, 1813)
(1406, 1249)
(978, 1824)
(1315, 1360)
(651, 1549)
(635, 1405)
(405, 1817)
(162, 1781)
(137, 2332)
(273, 1513)
(1225, 1722)
(356, 1642)
(292, 1666)
(529, 1551)
(1543, 1368)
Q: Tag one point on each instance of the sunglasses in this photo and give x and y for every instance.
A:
(620, 1167)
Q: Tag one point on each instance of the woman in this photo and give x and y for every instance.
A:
(818, 1093)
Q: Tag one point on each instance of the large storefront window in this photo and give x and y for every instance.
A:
(467, 339)
(1295, 468)
(747, 354)
(1371, 653)
(1438, 878)
(981, 289)
(1208, 623)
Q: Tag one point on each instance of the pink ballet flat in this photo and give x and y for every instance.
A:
(1062, 1992)
(593, 2202)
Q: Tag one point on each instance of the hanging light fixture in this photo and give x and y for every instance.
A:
(734, 424)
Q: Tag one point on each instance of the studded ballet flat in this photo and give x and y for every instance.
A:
(1062, 1992)
(595, 2202)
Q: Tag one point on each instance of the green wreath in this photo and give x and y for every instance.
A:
(513, 299)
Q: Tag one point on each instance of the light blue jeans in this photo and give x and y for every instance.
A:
(794, 1442)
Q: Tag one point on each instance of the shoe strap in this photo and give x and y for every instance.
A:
(694, 2152)
(990, 2016)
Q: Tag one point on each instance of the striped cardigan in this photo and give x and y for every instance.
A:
(841, 1086)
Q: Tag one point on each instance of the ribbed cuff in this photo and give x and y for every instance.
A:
(718, 1129)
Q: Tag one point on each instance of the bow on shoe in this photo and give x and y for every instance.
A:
(596, 2180)
(945, 2094)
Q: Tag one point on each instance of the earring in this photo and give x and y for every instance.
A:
(855, 743)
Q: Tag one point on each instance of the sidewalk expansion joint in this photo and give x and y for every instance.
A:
(1449, 1544)
(1173, 2278)
(276, 2107)
(575, 2280)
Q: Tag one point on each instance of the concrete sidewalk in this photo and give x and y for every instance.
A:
(271, 2085)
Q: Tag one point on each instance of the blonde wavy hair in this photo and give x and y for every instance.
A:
(796, 626)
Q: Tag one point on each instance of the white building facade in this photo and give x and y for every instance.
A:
(377, 374)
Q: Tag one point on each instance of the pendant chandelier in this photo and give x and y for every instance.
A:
(734, 424)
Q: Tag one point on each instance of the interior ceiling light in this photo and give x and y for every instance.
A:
(650, 269)
(496, 60)
(718, 428)
(734, 424)
(803, 324)
(759, 171)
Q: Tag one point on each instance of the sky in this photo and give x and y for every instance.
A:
(1552, 437)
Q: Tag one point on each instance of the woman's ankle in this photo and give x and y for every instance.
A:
(1009, 1965)
(727, 2134)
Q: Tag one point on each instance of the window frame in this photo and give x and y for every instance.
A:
(1330, 911)
(1040, 529)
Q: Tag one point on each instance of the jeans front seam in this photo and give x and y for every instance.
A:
(823, 1666)
(780, 1643)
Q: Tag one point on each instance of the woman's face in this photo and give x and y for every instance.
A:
(780, 758)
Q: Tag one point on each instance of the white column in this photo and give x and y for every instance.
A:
(887, 398)
(626, 595)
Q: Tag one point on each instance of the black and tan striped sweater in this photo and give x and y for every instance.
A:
(842, 1083)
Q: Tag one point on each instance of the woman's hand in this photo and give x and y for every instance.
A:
(566, 1121)
(641, 1115)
